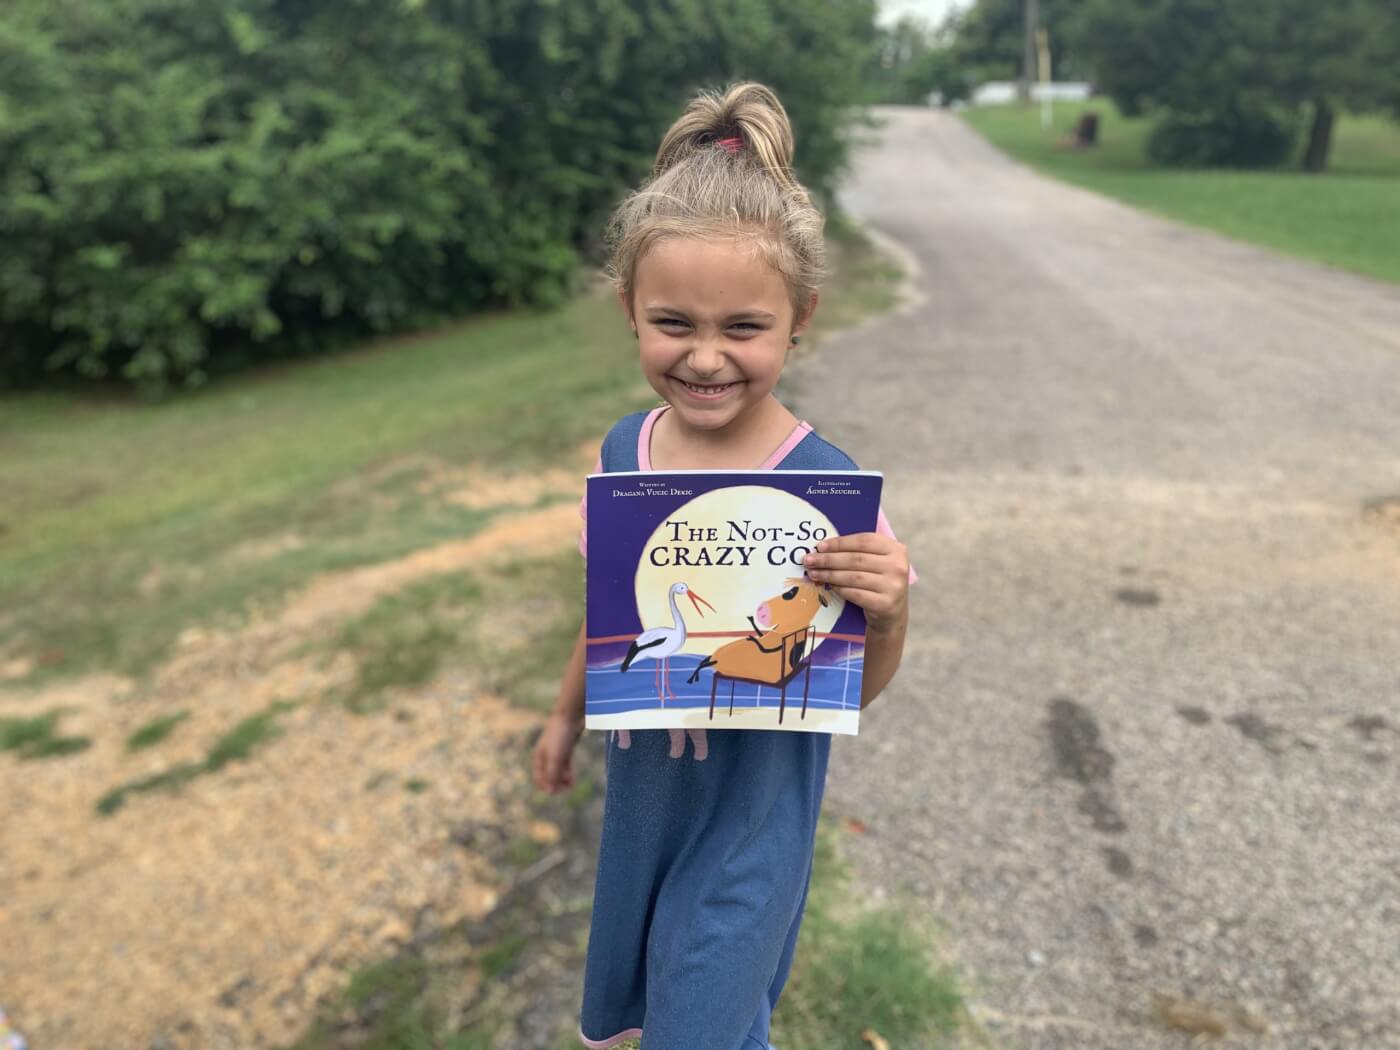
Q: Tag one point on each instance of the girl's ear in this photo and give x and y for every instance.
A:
(804, 316)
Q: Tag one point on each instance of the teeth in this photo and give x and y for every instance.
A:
(707, 389)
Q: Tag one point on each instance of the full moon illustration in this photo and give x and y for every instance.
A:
(735, 593)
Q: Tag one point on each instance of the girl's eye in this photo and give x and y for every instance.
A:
(675, 324)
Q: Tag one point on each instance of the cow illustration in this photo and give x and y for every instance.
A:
(774, 652)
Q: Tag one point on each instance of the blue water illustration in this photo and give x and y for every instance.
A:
(833, 685)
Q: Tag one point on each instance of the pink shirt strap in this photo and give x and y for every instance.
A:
(882, 526)
(775, 457)
(583, 511)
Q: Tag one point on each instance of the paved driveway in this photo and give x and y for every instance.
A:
(1146, 738)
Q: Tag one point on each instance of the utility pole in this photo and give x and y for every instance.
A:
(1028, 65)
(1042, 47)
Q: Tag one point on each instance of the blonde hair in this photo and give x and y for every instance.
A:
(725, 170)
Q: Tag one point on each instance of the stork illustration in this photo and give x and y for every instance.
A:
(662, 643)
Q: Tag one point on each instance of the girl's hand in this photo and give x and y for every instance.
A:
(869, 569)
(553, 766)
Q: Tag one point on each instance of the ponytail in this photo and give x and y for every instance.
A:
(750, 113)
(725, 169)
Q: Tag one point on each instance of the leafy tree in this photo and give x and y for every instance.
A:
(990, 38)
(912, 61)
(1221, 64)
(936, 70)
(186, 188)
(896, 47)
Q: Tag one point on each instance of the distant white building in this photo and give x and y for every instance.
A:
(1000, 92)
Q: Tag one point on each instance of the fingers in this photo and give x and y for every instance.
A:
(551, 771)
(537, 769)
(867, 542)
(860, 552)
(866, 599)
(866, 569)
(838, 578)
(561, 774)
(875, 564)
(558, 780)
(860, 548)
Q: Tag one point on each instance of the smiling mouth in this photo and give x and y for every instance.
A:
(705, 389)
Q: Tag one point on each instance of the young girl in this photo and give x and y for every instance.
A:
(705, 860)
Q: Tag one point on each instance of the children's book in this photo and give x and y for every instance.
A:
(700, 615)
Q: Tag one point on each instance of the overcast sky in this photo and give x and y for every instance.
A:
(931, 11)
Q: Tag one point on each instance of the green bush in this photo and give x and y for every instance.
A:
(186, 188)
(1232, 137)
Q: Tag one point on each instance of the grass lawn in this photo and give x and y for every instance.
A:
(1348, 217)
(862, 969)
(123, 523)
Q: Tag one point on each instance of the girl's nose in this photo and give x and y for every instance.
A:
(706, 358)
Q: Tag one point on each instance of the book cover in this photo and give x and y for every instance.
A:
(699, 613)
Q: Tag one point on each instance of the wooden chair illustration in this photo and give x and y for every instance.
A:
(796, 658)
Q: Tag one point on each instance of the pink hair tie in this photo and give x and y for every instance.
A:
(731, 146)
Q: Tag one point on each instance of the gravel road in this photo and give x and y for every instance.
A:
(1146, 738)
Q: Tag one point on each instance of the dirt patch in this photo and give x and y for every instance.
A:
(347, 594)
(1383, 512)
(379, 486)
(481, 491)
(265, 547)
(219, 915)
(337, 597)
(18, 667)
(80, 698)
(477, 489)
(159, 577)
(472, 486)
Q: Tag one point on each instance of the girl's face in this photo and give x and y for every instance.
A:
(714, 322)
